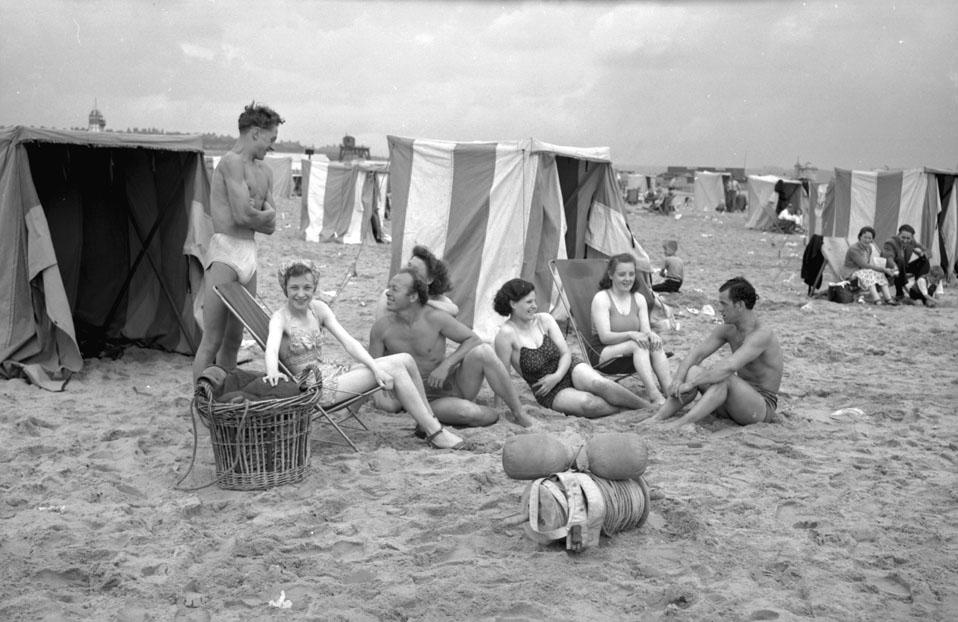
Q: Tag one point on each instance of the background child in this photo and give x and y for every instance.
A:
(673, 270)
(927, 287)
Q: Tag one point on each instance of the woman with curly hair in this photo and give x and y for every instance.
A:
(533, 344)
(434, 271)
(864, 263)
(296, 335)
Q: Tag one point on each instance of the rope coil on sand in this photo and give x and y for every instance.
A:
(626, 503)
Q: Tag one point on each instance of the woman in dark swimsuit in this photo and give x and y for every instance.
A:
(533, 345)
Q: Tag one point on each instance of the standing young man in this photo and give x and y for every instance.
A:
(241, 204)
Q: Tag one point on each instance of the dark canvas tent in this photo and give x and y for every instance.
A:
(99, 241)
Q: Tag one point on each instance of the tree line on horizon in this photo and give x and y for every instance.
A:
(224, 142)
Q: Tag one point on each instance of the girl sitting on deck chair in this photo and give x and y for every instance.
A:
(296, 332)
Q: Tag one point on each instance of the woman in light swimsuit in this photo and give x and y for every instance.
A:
(620, 325)
(533, 344)
(296, 334)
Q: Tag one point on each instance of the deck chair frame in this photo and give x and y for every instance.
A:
(254, 316)
(580, 312)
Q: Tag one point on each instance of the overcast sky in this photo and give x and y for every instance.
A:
(851, 84)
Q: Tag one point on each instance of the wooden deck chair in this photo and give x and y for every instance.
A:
(255, 317)
(577, 281)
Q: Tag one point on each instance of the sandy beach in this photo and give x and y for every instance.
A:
(830, 513)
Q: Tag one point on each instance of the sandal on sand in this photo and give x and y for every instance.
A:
(461, 445)
(420, 433)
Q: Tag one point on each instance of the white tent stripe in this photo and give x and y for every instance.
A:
(914, 188)
(354, 233)
(430, 193)
(505, 234)
(316, 199)
(864, 193)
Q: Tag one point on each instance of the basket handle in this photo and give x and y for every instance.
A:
(218, 478)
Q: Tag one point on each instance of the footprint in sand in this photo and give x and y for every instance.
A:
(345, 550)
(73, 576)
(892, 584)
(790, 513)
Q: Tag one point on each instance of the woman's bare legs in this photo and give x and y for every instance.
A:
(587, 379)
(660, 364)
(641, 362)
(408, 388)
(582, 404)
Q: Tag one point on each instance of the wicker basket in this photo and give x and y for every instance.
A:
(261, 444)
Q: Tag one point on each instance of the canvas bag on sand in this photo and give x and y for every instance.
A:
(565, 505)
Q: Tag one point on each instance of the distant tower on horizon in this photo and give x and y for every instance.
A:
(97, 122)
(349, 150)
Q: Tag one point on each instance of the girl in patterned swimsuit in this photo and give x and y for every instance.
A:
(533, 345)
(296, 330)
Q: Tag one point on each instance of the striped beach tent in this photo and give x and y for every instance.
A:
(281, 165)
(922, 198)
(499, 210)
(343, 201)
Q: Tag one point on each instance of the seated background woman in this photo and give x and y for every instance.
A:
(865, 263)
(620, 322)
(533, 344)
(435, 273)
(296, 330)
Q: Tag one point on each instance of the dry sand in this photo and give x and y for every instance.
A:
(830, 516)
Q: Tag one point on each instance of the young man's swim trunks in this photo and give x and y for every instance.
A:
(771, 403)
(449, 387)
(237, 253)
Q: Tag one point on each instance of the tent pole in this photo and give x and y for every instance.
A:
(159, 277)
(145, 244)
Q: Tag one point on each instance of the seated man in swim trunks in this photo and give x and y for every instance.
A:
(452, 382)
(241, 204)
(744, 386)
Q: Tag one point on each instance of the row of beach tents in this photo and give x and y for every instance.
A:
(104, 234)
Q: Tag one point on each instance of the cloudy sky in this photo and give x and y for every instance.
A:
(863, 84)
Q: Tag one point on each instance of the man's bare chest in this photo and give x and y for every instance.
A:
(418, 338)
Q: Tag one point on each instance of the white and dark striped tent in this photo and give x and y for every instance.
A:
(281, 164)
(343, 201)
(922, 198)
(499, 210)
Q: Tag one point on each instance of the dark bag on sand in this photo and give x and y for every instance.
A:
(840, 293)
